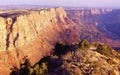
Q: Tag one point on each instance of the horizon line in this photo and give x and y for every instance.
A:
(22, 5)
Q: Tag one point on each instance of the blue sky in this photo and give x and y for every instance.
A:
(82, 3)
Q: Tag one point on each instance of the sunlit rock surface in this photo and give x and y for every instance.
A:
(32, 34)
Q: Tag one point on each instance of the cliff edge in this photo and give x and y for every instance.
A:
(32, 34)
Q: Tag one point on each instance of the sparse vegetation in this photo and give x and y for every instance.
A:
(104, 49)
(39, 69)
(84, 44)
(71, 60)
(26, 69)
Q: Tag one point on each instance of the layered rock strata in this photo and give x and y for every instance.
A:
(32, 34)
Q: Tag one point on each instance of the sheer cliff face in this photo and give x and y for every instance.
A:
(33, 34)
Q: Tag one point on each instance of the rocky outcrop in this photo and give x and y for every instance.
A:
(32, 34)
(90, 62)
(82, 60)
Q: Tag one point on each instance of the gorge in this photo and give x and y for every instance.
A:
(33, 33)
(97, 25)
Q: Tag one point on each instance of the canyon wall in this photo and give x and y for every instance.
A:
(87, 16)
(32, 34)
(97, 25)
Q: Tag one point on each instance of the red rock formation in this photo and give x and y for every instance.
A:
(32, 34)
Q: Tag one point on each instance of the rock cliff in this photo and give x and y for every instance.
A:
(87, 16)
(32, 34)
(98, 25)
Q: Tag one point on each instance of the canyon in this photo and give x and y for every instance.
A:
(33, 33)
(97, 25)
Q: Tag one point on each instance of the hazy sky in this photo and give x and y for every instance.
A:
(86, 3)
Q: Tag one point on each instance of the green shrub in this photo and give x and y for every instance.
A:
(84, 44)
(39, 69)
(104, 49)
(26, 69)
